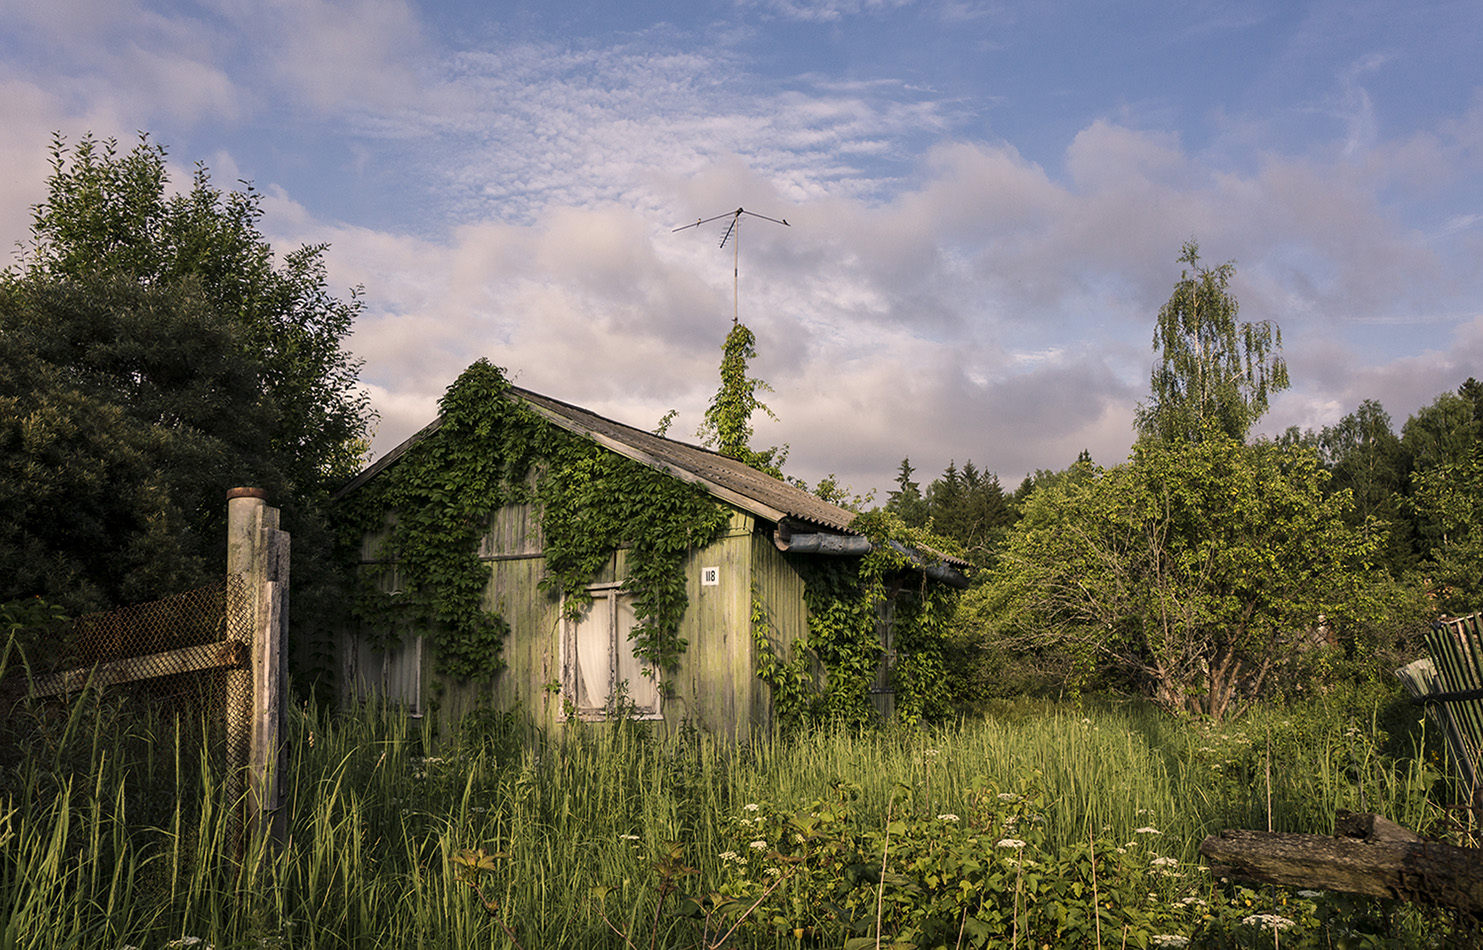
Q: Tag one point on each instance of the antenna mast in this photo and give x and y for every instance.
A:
(733, 228)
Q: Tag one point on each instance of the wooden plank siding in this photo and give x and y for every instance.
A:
(716, 688)
(780, 587)
(713, 684)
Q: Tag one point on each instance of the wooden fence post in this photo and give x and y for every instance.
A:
(258, 554)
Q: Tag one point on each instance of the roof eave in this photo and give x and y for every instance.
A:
(749, 505)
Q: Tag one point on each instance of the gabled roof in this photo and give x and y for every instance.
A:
(727, 479)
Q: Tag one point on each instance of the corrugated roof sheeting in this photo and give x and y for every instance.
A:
(736, 482)
(739, 483)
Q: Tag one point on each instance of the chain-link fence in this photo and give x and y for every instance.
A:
(144, 690)
(160, 649)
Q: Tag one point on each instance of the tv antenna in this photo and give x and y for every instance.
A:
(733, 228)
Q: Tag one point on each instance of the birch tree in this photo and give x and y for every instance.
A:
(1214, 374)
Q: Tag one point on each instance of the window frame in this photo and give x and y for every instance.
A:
(607, 598)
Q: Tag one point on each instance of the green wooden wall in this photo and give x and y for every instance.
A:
(716, 688)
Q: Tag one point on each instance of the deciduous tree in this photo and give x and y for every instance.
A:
(1196, 569)
(156, 353)
(1367, 458)
(112, 214)
(1214, 374)
(126, 412)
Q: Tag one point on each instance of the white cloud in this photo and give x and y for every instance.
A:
(336, 54)
(991, 312)
(938, 295)
(826, 11)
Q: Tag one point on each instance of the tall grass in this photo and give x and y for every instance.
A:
(378, 808)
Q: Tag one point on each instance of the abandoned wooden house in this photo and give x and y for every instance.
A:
(572, 637)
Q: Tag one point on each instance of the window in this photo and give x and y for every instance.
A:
(388, 666)
(600, 674)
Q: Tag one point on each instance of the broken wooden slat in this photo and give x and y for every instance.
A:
(1369, 856)
(1447, 682)
(206, 656)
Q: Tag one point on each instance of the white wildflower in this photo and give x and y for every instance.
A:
(1164, 862)
(751, 807)
(1010, 843)
(1275, 921)
(1147, 831)
(728, 856)
(1169, 940)
(628, 837)
(947, 817)
(775, 872)
(797, 838)
(758, 845)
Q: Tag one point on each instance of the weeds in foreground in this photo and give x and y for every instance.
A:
(1047, 825)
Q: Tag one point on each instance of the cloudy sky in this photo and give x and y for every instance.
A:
(986, 200)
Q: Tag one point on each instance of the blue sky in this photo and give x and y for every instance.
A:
(987, 200)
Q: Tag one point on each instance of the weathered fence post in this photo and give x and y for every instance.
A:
(257, 608)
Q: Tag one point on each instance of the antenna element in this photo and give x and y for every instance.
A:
(733, 228)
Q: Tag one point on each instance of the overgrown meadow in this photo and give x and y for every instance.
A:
(1039, 825)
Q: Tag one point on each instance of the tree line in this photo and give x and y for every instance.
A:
(155, 351)
(1211, 568)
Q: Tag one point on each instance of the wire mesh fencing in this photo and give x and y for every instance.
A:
(135, 700)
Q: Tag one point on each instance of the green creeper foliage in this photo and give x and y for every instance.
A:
(489, 451)
(1214, 375)
(1197, 570)
(848, 601)
(595, 502)
(728, 419)
(443, 492)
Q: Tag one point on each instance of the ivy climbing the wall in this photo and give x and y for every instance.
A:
(491, 450)
(594, 502)
(847, 600)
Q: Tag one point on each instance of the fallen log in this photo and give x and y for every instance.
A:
(1367, 855)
